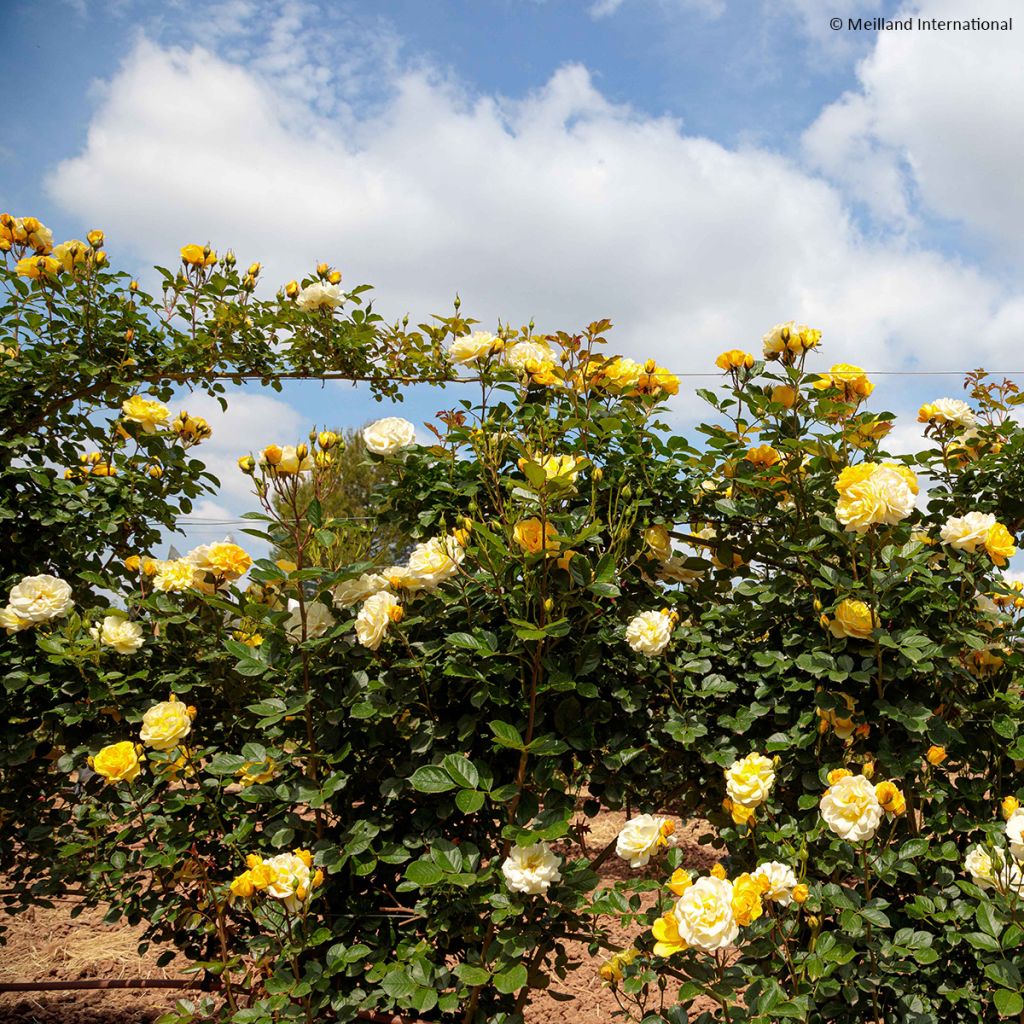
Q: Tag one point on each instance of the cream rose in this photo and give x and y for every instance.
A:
(376, 614)
(978, 865)
(951, 410)
(353, 591)
(166, 724)
(12, 621)
(704, 915)
(174, 576)
(1015, 833)
(117, 632)
(650, 632)
(749, 780)
(290, 461)
(531, 869)
(883, 498)
(433, 562)
(524, 352)
(40, 598)
(318, 621)
(969, 532)
(319, 295)
(780, 881)
(292, 879)
(471, 348)
(642, 836)
(147, 412)
(389, 435)
(851, 809)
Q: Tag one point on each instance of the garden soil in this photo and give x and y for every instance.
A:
(48, 944)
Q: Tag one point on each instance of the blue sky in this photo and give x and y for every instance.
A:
(697, 170)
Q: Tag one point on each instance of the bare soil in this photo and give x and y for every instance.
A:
(50, 945)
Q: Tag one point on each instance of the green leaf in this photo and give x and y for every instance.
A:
(512, 979)
(472, 975)
(431, 778)
(424, 873)
(506, 735)
(469, 801)
(462, 771)
(1008, 1004)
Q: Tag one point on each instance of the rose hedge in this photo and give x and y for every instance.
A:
(367, 787)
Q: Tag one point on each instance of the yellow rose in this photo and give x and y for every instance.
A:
(717, 871)
(936, 755)
(472, 348)
(119, 762)
(242, 886)
(147, 412)
(533, 536)
(838, 773)
(611, 970)
(166, 724)
(668, 941)
(763, 456)
(680, 881)
(40, 598)
(891, 798)
(374, 618)
(850, 381)
(784, 395)
(853, 619)
(851, 809)
(884, 497)
(749, 780)
(1009, 805)
(36, 267)
(254, 773)
(842, 724)
(658, 540)
(198, 256)
(174, 576)
(565, 468)
(71, 254)
(800, 893)
(228, 560)
(746, 898)
(734, 359)
(999, 544)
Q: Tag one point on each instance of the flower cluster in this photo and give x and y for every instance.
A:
(288, 878)
(853, 808)
(875, 494)
(979, 531)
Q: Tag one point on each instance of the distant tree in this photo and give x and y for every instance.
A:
(354, 535)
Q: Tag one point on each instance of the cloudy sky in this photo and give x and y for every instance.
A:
(695, 170)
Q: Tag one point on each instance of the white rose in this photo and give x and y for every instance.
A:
(318, 621)
(389, 435)
(523, 352)
(704, 915)
(649, 632)
(978, 865)
(472, 348)
(965, 533)
(642, 836)
(353, 591)
(117, 632)
(531, 869)
(749, 780)
(953, 410)
(851, 809)
(374, 618)
(40, 598)
(781, 881)
(1015, 833)
(292, 880)
(12, 621)
(319, 295)
(433, 562)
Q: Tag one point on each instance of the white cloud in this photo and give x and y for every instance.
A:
(935, 121)
(706, 8)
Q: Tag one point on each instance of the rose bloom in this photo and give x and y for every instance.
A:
(853, 619)
(533, 536)
(780, 881)
(470, 349)
(523, 353)
(883, 498)
(947, 410)
(746, 898)
(71, 253)
(622, 373)
(147, 412)
(318, 621)
(36, 267)
(117, 632)
(166, 724)
(1007, 806)
(850, 380)
(564, 467)
(658, 540)
(969, 532)
(198, 255)
(228, 560)
(611, 969)
(353, 591)
(1015, 833)
(642, 836)
(978, 864)
(784, 341)
(292, 878)
(734, 359)
(174, 576)
(749, 781)
(531, 869)
(290, 463)
(865, 470)
(851, 809)
(389, 435)
(999, 544)
(704, 915)
(319, 295)
(891, 798)
(650, 632)
(119, 762)
(376, 614)
(843, 725)
(40, 598)
(433, 562)
(12, 621)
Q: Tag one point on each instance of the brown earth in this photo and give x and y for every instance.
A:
(49, 944)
